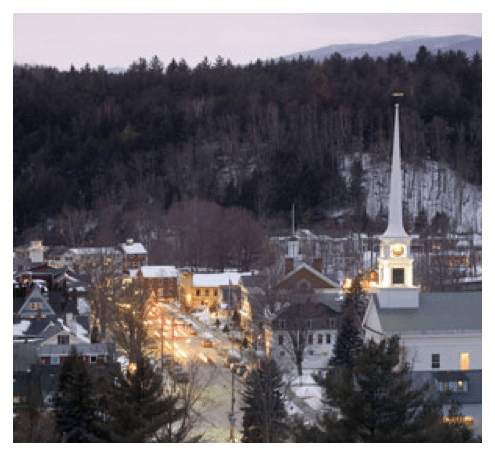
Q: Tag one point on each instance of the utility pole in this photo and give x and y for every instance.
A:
(173, 350)
(162, 338)
(231, 415)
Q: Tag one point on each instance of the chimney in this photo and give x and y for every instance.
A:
(318, 264)
(289, 265)
(130, 241)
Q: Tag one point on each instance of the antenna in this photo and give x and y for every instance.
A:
(293, 220)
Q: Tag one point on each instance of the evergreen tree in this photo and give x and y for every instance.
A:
(349, 338)
(377, 402)
(136, 408)
(264, 419)
(421, 222)
(75, 400)
(32, 424)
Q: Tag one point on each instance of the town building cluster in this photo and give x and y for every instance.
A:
(291, 315)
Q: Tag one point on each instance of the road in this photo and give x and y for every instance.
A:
(209, 377)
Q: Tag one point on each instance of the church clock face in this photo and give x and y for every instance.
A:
(397, 250)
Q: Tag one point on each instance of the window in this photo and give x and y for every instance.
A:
(454, 386)
(63, 339)
(55, 360)
(320, 338)
(35, 305)
(435, 361)
(281, 340)
(45, 359)
(198, 292)
(215, 293)
(310, 339)
(398, 276)
(464, 361)
(92, 359)
(310, 352)
(282, 353)
(329, 339)
(207, 292)
(467, 420)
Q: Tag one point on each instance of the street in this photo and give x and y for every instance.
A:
(211, 383)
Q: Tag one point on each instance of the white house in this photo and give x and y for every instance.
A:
(311, 327)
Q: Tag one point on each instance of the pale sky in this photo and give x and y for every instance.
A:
(60, 39)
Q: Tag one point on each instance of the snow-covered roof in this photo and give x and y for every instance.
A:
(217, 280)
(159, 271)
(134, 248)
(94, 250)
(83, 305)
(21, 327)
(77, 330)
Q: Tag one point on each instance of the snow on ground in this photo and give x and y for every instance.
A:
(434, 187)
(292, 409)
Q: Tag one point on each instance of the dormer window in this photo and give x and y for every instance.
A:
(63, 339)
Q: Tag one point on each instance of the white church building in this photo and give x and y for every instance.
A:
(440, 332)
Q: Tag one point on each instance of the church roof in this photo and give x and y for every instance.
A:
(439, 311)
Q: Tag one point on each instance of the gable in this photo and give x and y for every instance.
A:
(35, 304)
(305, 278)
(371, 321)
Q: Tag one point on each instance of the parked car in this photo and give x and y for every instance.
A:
(231, 359)
(248, 375)
(241, 369)
(167, 359)
(206, 342)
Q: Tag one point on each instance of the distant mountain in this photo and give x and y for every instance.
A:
(116, 70)
(407, 46)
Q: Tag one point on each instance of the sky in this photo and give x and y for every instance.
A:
(116, 40)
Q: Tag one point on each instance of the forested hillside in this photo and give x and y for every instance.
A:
(262, 136)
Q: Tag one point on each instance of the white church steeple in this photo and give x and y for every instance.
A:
(395, 227)
(395, 264)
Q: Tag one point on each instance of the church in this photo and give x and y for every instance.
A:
(440, 331)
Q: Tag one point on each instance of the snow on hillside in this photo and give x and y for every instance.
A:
(434, 186)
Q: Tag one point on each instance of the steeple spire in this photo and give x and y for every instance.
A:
(395, 227)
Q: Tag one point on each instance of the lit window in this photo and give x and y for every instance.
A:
(464, 361)
(435, 361)
(320, 338)
(467, 420)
